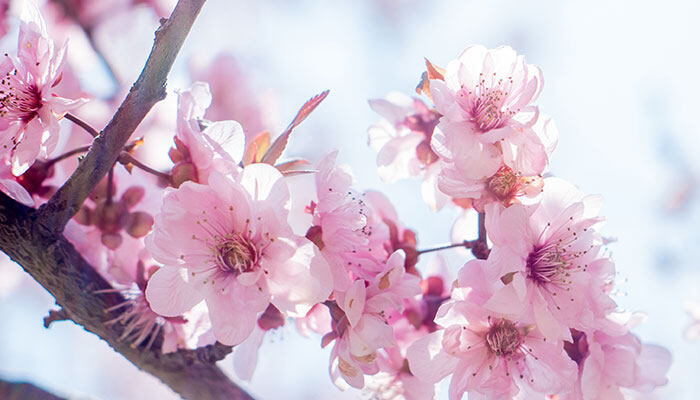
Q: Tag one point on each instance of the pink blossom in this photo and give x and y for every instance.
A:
(395, 380)
(4, 14)
(489, 355)
(29, 109)
(402, 138)
(10, 186)
(197, 152)
(547, 264)
(488, 120)
(360, 325)
(233, 97)
(245, 356)
(229, 243)
(608, 363)
(343, 228)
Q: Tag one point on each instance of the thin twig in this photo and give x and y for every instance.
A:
(482, 227)
(148, 89)
(126, 158)
(68, 154)
(92, 131)
(467, 244)
(480, 249)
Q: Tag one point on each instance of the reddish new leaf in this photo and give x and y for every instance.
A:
(295, 167)
(257, 148)
(278, 146)
(432, 72)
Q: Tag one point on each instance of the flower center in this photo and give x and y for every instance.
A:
(548, 264)
(18, 100)
(504, 184)
(235, 254)
(485, 103)
(503, 338)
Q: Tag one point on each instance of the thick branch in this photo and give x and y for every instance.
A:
(56, 265)
(148, 89)
(24, 391)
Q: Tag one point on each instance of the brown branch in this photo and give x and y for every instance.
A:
(55, 315)
(148, 89)
(467, 244)
(72, 118)
(24, 391)
(479, 246)
(480, 249)
(32, 238)
(53, 262)
(126, 158)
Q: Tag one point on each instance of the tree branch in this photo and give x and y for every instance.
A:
(32, 238)
(148, 89)
(53, 262)
(24, 391)
(480, 249)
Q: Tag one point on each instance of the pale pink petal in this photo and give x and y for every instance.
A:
(170, 294)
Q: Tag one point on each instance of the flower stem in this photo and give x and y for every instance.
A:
(92, 131)
(467, 244)
(126, 158)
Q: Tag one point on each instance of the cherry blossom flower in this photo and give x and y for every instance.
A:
(395, 380)
(234, 98)
(197, 152)
(229, 243)
(359, 325)
(488, 355)
(343, 228)
(547, 262)
(29, 109)
(488, 122)
(402, 138)
(610, 363)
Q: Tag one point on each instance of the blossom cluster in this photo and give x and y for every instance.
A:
(218, 247)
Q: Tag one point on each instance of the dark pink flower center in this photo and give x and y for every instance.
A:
(503, 338)
(235, 254)
(547, 264)
(486, 103)
(18, 100)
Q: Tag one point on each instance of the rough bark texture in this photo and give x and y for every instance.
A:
(33, 238)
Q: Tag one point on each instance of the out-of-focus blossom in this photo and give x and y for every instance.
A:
(693, 330)
(233, 97)
(29, 107)
(229, 243)
(4, 14)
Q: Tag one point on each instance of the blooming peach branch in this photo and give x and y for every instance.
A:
(148, 89)
(32, 238)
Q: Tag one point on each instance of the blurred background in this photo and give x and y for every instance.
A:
(621, 82)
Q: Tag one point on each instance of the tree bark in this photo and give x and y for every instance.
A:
(33, 238)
